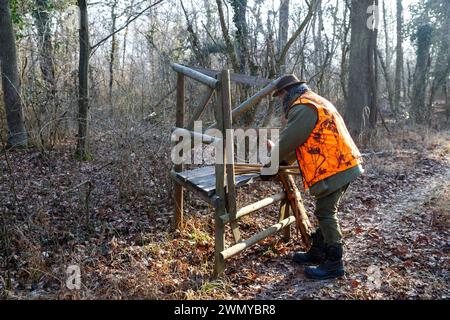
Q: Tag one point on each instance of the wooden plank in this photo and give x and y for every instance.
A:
(204, 180)
(198, 172)
(236, 77)
(185, 183)
(178, 192)
(228, 253)
(256, 206)
(200, 77)
(296, 202)
(229, 153)
(201, 108)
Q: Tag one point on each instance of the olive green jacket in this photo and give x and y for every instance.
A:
(301, 120)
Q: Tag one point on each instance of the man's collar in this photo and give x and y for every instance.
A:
(292, 96)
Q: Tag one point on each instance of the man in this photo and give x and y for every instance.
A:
(316, 136)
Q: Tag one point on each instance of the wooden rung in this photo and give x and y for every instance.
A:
(200, 77)
(255, 206)
(228, 253)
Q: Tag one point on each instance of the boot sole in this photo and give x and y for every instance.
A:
(331, 276)
(306, 263)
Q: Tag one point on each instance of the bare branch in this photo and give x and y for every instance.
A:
(226, 36)
(127, 23)
(311, 7)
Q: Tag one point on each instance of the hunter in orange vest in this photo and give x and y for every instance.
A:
(316, 136)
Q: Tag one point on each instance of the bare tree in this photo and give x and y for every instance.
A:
(283, 33)
(361, 91)
(418, 107)
(82, 151)
(441, 70)
(42, 18)
(112, 54)
(399, 57)
(226, 36)
(17, 136)
(240, 22)
(386, 63)
(345, 48)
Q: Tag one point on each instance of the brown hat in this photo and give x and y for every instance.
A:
(286, 81)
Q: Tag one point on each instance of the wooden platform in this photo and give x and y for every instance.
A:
(203, 179)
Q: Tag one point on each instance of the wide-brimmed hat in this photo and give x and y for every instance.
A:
(286, 81)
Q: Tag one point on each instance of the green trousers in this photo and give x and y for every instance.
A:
(326, 212)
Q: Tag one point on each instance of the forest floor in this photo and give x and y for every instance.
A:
(111, 218)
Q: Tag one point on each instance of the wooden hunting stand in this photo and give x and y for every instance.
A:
(218, 184)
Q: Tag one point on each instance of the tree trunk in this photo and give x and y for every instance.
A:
(194, 40)
(283, 34)
(442, 66)
(361, 90)
(278, 65)
(419, 112)
(387, 62)
(17, 136)
(373, 84)
(344, 52)
(42, 18)
(399, 58)
(226, 36)
(112, 55)
(240, 21)
(82, 151)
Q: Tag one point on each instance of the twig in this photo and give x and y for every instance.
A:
(76, 187)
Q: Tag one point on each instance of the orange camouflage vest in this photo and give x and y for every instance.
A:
(330, 148)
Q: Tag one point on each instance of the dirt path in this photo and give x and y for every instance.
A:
(395, 249)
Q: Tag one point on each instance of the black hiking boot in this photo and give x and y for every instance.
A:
(331, 267)
(315, 254)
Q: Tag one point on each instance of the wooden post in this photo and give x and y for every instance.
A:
(229, 153)
(178, 192)
(284, 213)
(295, 199)
(219, 227)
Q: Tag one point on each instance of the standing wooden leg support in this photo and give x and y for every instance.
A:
(178, 200)
(296, 202)
(178, 192)
(284, 214)
(225, 125)
(219, 230)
